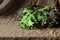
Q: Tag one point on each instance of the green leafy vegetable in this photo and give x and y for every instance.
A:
(36, 15)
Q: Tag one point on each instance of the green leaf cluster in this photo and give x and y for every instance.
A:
(36, 16)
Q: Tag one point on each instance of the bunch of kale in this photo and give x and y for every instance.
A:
(40, 16)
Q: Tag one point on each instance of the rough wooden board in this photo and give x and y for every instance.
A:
(9, 28)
